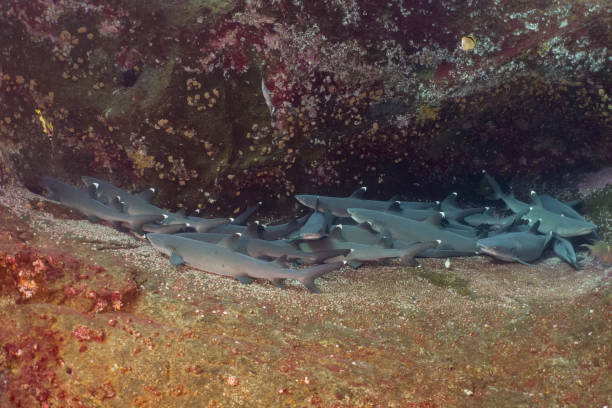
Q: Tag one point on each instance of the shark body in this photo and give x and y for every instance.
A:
(410, 231)
(362, 252)
(549, 221)
(82, 201)
(523, 247)
(220, 259)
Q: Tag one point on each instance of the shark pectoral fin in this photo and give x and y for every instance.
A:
(278, 282)
(245, 280)
(354, 264)
(410, 261)
(182, 212)
(519, 260)
(175, 259)
(147, 195)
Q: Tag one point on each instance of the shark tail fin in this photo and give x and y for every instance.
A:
(415, 249)
(497, 192)
(307, 276)
(242, 218)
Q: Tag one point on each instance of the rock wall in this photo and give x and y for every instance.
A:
(219, 104)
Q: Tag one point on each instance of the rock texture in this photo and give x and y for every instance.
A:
(169, 94)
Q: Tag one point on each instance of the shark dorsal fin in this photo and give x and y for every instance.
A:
(281, 261)
(117, 204)
(395, 198)
(573, 203)
(147, 195)
(230, 240)
(368, 227)
(535, 199)
(336, 232)
(359, 193)
(435, 219)
(182, 212)
(252, 230)
(92, 190)
(533, 228)
(395, 207)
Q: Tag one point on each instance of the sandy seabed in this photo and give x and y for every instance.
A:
(96, 317)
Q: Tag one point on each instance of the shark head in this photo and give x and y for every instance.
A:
(160, 242)
(574, 228)
(497, 247)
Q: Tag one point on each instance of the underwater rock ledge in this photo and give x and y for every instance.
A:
(240, 102)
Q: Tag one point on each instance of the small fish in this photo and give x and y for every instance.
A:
(468, 42)
(267, 96)
(602, 251)
(46, 125)
(447, 263)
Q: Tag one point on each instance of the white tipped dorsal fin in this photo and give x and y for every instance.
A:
(435, 219)
(359, 193)
(229, 241)
(147, 195)
(252, 230)
(336, 232)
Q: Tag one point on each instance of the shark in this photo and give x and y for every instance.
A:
(82, 201)
(132, 204)
(251, 245)
(361, 252)
(363, 234)
(523, 247)
(410, 231)
(556, 206)
(338, 206)
(220, 259)
(549, 221)
(489, 218)
(316, 225)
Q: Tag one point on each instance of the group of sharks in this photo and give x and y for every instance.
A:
(338, 230)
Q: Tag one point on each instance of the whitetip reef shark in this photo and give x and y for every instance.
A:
(549, 221)
(82, 201)
(410, 231)
(220, 259)
(338, 205)
(523, 247)
(250, 244)
(360, 252)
